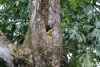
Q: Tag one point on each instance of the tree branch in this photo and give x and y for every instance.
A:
(5, 51)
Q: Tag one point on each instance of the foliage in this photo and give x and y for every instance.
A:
(80, 27)
(14, 18)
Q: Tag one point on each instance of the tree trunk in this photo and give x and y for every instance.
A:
(45, 16)
(41, 49)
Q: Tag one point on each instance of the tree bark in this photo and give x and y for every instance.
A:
(45, 15)
(39, 48)
(5, 50)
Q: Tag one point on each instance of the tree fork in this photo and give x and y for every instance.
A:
(42, 50)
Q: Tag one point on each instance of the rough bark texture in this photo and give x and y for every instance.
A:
(39, 49)
(5, 56)
(46, 49)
